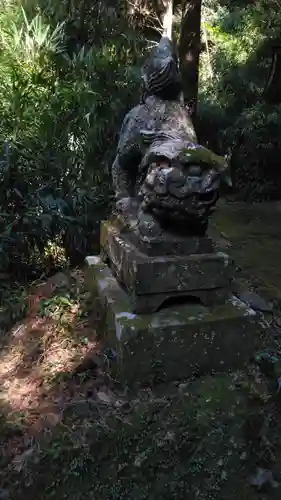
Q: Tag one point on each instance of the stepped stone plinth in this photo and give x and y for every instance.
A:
(187, 268)
(177, 342)
(169, 314)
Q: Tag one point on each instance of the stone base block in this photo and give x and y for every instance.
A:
(177, 342)
(163, 244)
(151, 280)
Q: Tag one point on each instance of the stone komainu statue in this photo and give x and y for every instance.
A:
(159, 162)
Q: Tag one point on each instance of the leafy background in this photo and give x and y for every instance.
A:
(69, 73)
(234, 71)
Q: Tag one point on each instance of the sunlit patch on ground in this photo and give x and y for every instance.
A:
(76, 428)
(40, 353)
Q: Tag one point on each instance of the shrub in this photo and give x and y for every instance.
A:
(60, 114)
(233, 74)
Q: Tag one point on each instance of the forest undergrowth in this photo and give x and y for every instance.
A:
(66, 426)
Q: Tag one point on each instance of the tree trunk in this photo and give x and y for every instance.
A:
(189, 50)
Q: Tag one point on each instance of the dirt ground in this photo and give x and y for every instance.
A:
(68, 431)
(252, 236)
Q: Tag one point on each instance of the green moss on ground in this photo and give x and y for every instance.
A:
(254, 241)
(189, 443)
(202, 439)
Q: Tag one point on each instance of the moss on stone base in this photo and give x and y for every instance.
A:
(176, 342)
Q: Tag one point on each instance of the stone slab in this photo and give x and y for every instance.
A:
(173, 246)
(144, 275)
(177, 342)
(166, 243)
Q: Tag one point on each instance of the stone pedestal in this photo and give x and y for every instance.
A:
(159, 340)
(176, 342)
(159, 270)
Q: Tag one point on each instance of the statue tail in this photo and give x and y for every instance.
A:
(160, 72)
(168, 21)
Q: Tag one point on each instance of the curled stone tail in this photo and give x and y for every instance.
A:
(168, 21)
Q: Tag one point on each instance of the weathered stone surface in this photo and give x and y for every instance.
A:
(176, 342)
(147, 304)
(172, 246)
(151, 280)
(159, 163)
(163, 242)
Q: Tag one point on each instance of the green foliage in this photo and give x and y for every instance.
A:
(234, 71)
(61, 102)
(67, 77)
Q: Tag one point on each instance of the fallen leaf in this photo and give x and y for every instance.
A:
(139, 459)
(104, 398)
(262, 478)
(223, 475)
(20, 460)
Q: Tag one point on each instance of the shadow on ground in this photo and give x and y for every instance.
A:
(251, 234)
(41, 360)
(69, 431)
